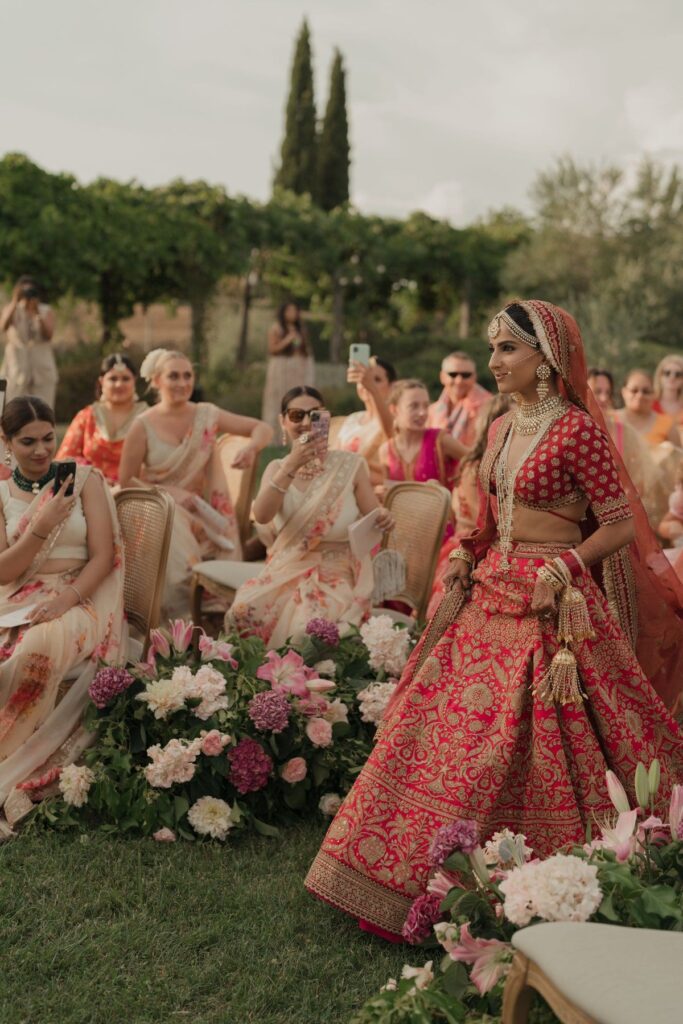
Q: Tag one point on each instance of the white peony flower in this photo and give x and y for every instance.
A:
(210, 817)
(326, 668)
(163, 697)
(388, 648)
(330, 803)
(422, 976)
(561, 888)
(173, 763)
(75, 782)
(373, 701)
(207, 686)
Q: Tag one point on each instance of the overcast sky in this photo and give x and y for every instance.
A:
(454, 105)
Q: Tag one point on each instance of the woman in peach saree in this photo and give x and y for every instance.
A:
(173, 446)
(510, 712)
(311, 497)
(62, 580)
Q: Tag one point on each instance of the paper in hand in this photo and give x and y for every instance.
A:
(364, 535)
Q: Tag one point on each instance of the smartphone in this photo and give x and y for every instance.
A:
(3, 394)
(359, 352)
(320, 425)
(64, 469)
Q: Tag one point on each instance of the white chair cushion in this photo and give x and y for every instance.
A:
(615, 975)
(229, 574)
(404, 620)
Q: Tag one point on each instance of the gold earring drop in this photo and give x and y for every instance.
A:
(8, 457)
(284, 439)
(543, 374)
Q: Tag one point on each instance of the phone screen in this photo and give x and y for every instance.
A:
(64, 469)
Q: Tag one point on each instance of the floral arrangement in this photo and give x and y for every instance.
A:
(479, 895)
(199, 743)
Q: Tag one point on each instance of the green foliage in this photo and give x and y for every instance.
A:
(333, 144)
(298, 156)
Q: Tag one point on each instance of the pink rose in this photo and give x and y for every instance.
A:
(295, 770)
(165, 835)
(319, 732)
(213, 743)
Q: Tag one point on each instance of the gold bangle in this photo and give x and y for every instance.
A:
(76, 592)
(462, 554)
(276, 487)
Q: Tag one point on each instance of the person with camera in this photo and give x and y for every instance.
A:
(61, 601)
(29, 362)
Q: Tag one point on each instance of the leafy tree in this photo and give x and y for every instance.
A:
(297, 171)
(333, 144)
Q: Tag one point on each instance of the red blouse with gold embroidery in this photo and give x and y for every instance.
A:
(573, 461)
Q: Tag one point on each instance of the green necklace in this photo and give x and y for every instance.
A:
(33, 486)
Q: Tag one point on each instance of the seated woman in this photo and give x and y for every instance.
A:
(364, 432)
(668, 388)
(61, 574)
(172, 446)
(96, 434)
(312, 497)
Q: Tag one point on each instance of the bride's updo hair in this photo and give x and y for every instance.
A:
(23, 410)
(154, 361)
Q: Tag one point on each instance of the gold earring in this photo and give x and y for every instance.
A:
(543, 373)
(8, 457)
(284, 439)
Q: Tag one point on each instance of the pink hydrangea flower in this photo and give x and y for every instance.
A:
(422, 916)
(325, 631)
(319, 732)
(286, 674)
(108, 684)
(294, 770)
(269, 711)
(250, 766)
(460, 835)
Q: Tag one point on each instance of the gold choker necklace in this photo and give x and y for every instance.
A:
(530, 418)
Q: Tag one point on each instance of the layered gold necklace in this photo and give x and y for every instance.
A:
(529, 419)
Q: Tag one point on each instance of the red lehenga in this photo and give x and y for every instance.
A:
(466, 736)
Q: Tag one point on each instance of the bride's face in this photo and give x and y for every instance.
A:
(34, 448)
(513, 363)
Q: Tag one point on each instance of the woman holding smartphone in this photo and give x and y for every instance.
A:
(61, 599)
(311, 497)
(364, 432)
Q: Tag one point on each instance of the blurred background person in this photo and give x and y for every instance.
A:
(364, 432)
(290, 361)
(460, 402)
(96, 434)
(29, 362)
(638, 394)
(668, 385)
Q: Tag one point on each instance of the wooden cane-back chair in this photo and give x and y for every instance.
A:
(420, 511)
(241, 482)
(146, 519)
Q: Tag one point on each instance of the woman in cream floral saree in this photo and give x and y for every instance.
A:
(311, 497)
(61, 578)
(173, 446)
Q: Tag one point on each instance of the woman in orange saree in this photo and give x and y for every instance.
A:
(502, 721)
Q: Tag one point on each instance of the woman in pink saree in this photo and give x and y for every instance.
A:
(311, 497)
(61, 581)
(173, 446)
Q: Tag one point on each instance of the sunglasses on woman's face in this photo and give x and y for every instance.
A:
(299, 415)
(672, 373)
(454, 374)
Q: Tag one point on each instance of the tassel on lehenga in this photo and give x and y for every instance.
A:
(561, 683)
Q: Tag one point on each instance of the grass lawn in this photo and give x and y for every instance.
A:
(102, 930)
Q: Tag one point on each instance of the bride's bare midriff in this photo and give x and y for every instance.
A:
(536, 527)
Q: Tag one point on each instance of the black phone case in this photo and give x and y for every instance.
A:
(64, 469)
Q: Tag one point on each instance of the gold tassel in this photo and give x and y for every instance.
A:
(574, 622)
(561, 682)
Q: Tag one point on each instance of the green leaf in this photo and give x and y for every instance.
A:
(264, 829)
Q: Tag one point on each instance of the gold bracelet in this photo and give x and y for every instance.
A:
(546, 575)
(276, 487)
(463, 554)
(76, 592)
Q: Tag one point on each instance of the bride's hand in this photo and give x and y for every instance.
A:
(459, 574)
(543, 601)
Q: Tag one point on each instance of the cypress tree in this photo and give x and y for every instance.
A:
(298, 161)
(333, 146)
